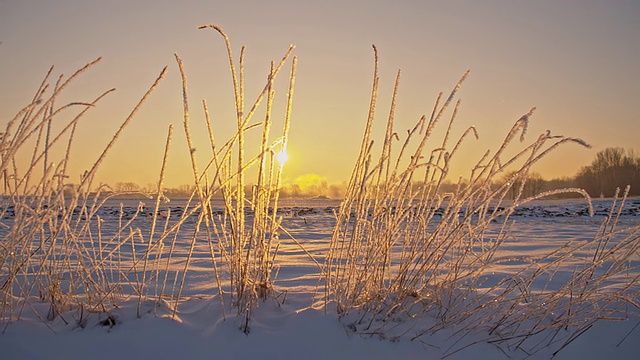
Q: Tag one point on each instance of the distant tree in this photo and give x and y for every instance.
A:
(126, 186)
(150, 188)
(448, 186)
(562, 183)
(533, 184)
(69, 190)
(612, 168)
(181, 191)
(336, 191)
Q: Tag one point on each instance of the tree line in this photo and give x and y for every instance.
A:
(611, 169)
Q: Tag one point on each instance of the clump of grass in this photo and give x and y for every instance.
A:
(402, 250)
(52, 241)
(246, 237)
(55, 243)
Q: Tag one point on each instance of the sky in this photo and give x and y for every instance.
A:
(576, 61)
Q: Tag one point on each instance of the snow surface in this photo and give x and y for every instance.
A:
(296, 324)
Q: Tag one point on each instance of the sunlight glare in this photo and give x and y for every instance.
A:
(282, 156)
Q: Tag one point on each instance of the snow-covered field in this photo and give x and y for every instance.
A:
(295, 323)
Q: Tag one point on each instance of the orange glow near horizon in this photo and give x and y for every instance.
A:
(576, 65)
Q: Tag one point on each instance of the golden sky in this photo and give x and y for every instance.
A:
(576, 61)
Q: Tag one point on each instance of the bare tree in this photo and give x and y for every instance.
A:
(612, 168)
(126, 186)
(534, 184)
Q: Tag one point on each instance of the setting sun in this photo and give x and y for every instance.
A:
(282, 157)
